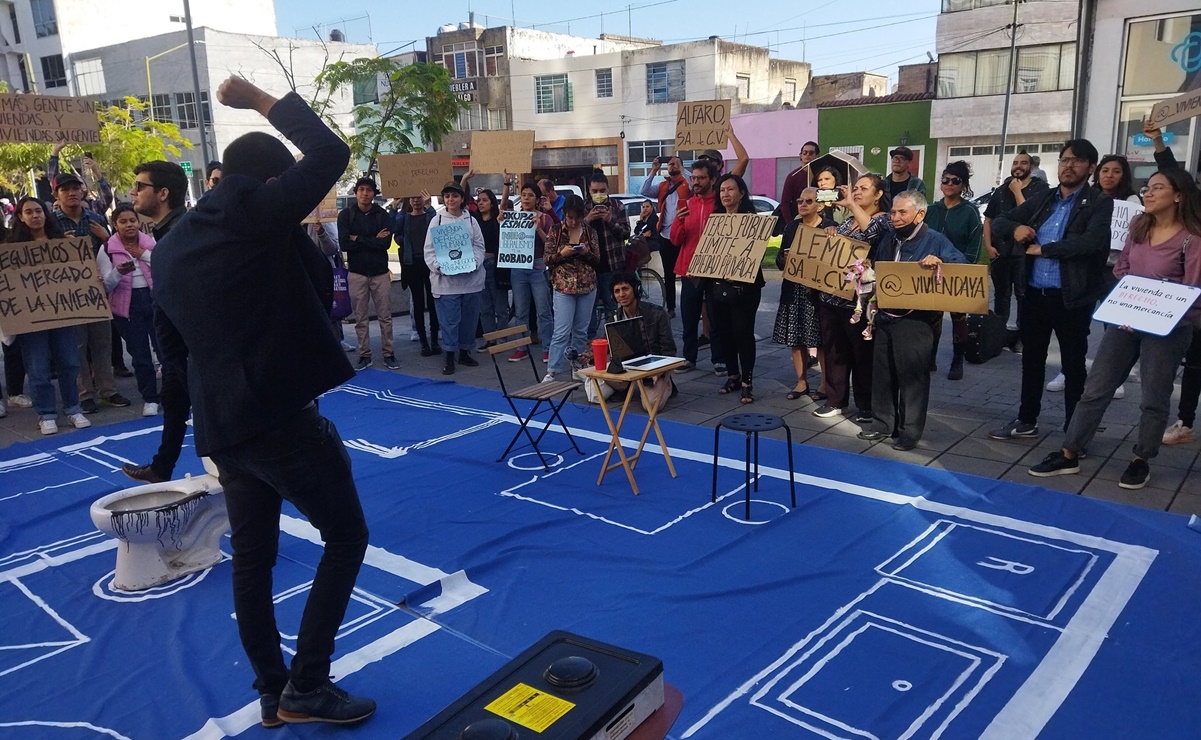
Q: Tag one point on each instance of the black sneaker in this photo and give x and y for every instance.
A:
(703, 340)
(89, 406)
(143, 473)
(269, 710)
(363, 363)
(870, 436)
(825, 412)
(862, 417)
(391, 363)
(1013, 430)
(326, 703)
(1055, 464)
(467, 360)
(117, 400)
(1137, 475)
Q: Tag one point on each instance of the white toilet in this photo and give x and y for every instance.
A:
(167, 530)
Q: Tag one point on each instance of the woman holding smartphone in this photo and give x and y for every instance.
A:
(572, 255)
(125, 268)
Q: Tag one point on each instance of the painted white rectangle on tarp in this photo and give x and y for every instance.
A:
(1147, 305)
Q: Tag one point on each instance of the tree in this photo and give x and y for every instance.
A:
(415, 99)
(128, 137)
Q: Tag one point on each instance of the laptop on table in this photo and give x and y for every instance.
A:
(627, 345)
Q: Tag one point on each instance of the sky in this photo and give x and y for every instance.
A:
(833, 35)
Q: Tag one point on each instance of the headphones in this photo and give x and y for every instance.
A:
(623, 277)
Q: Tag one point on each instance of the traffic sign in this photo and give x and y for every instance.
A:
(187, 168)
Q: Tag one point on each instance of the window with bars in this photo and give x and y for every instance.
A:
(665, 82)
(161, 109)
(604, 83)
(642, 153)
(552, 94)
(185, 105)
(45, 22)
(54, 74)
(492, 55)
(89, 77)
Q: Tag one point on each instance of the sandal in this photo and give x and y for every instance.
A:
(795, 394)
(731, 385)
(747, 397)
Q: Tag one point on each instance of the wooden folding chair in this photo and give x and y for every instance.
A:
(540, 393)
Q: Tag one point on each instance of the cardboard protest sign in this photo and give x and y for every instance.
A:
(47, 119)
(405, 175)
(955, 288)
(1179, 108)
(49, 285)
(452, 248)
(732, 246)
(1119, 228)
(517, 240)
(326, 211)
(821, 262)
(493, 152)
(1147, 305)
(702, 124)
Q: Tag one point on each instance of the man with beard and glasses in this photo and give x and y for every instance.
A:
(1006, 255)
(686, 232)
(668, 195)
(1065, 235)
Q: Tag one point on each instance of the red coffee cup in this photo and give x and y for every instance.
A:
(600, 353)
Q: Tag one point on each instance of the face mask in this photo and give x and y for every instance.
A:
(599, 198)
(907, 231)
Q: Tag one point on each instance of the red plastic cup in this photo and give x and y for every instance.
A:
(600, 353)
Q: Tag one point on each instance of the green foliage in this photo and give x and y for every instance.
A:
(415, 99)
(127, 138)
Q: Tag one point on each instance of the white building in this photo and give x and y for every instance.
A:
(42, 41)
(1138, 53)
(973, 42)
(271, 62)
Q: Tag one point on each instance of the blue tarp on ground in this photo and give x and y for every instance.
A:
(894, 601)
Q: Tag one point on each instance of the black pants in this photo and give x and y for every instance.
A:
(1043, 312)
(174, 397)
(423, 300)
(692, 298)
(900, 379)
(848, 358)
(301, 461)
(668, 252)
(118, 347)
(1008, 279)
(14, 368)
(734, 322)
(1190, 382)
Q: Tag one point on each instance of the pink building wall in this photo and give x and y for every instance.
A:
(769, 136)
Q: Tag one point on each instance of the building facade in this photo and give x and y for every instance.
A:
(973, 42)
(1152, 49)
(868, 128)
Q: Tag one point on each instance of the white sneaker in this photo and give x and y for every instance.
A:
(21, 401)
(348, 347)
(48, 426)
(150, 409)
(3, 410)
(79, 421)
(548, 378)
(1120, 392)
(413, 336)
(1178, 434)
(1057, 384)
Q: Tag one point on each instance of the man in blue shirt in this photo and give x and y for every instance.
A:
(1066, 233)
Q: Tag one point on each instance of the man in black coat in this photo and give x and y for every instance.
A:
(244, 286)
(1066, 233)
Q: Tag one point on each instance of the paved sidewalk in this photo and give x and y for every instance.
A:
(961, 413)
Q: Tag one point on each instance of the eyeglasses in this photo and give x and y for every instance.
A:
(806, 200)
(951, 180)
(138, 185)
(1072, 161)
(1158, 187)
(808, 153)
(214, 181)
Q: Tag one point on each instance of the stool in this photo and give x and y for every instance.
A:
(752, 425)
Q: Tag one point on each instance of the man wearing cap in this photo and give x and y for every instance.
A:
(900, 180)
(365, 234)
(95, 339)
(457, 296)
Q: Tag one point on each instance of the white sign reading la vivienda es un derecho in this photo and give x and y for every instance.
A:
(1147, 305)
(517, 240)
(49, 285)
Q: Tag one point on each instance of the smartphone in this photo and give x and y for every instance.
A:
(577, 247)
(827, 195)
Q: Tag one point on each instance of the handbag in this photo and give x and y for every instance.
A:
(986, 336)
(341, 307)
(724, 291)
(638, 253)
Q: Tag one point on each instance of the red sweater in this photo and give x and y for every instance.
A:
(687, 232)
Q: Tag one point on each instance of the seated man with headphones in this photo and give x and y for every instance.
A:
(656, 330)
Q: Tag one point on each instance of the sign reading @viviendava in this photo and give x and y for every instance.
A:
(517, 240)
(1147, 305)
(702, 124)
(1179, 108)
(47, 119)
(954, 288)
(452, 248)
(821, 261)
(1119, 228)
(50, 285)
(732, 246)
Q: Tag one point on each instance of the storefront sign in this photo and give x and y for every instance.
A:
(732, 247)
(465, 89)
(955, 288)
(517, 240)
(821, 262)
(1143, 304)
(50, 285)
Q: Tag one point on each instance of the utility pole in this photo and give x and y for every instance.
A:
(204, 141)
(1013, 42)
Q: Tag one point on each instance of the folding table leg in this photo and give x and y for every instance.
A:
(791, 472)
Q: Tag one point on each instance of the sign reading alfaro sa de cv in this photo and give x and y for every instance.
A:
(702, 124)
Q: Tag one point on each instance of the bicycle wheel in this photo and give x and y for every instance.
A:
(653, 289)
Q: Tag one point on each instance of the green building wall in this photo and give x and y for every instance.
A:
(881, 127)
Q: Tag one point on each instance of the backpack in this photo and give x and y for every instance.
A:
(987, 335)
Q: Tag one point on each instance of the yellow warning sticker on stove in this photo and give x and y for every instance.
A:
(527, 706)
